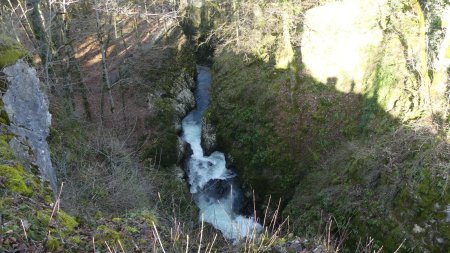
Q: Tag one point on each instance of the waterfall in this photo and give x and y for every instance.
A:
(213, 186)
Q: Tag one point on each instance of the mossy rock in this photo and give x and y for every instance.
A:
(16, 179)
(43, 216)
(10, 51)
(116, 220)
(75, 239)
(53, 244)
(5, 150)
(68, 222)
(105, 233)
(4, 119)
(131, 230)
(149, 217)
(145, 215)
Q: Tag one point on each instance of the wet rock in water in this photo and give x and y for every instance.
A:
(27, 108)
(184, 150)
(185, 154)
(217, 188)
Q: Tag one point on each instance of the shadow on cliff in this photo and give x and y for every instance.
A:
(326, 152)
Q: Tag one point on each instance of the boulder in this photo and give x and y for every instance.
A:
(27, 108)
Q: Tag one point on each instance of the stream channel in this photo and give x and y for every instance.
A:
(213, 186)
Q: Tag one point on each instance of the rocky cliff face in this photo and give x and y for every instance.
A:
(378, 52)
(352, 122)
(183, 104)
(27, 108)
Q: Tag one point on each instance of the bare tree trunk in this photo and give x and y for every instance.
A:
(72, 65)
(103, 47)
(236, 20)
(124, 115)
(26, 18)
(65, 57)
(26, 28)
(106, 78)
(75, 67)
(48, 56)
(82, 84)
(136, 31)
(115, 27)
(40, 33)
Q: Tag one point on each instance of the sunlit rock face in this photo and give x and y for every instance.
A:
(185, 101)
(27, 108)
(442, 63)
(444, 52)
(339, 39)
(374, 47)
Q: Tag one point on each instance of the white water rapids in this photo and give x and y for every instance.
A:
(211, 183)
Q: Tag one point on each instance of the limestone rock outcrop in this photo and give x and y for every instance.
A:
(27, 108)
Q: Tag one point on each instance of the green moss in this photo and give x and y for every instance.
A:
(67, 221)
(131, 230)
(4, 119)
(149, 217)
(5, 150)
(107, 234)
(52, 244)
(75, 239)
(384, 81)
(16, 179)
(166, 140)
(98, 215)
(43, 216)
(10, 51)
(5, 202)
(48, 198)
(116, 220)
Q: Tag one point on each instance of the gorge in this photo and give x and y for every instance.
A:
(216, 193)
(225, 126)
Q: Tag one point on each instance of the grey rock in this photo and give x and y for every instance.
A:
(319, 249)
(181, 149)
(27, 108)
(183, 104)
(278, 249)
(294, 246)
(179, 173)
(208, 138)
(185, 100)
(21, 151)
(447, 213)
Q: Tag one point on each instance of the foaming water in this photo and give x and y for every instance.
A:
(211, 183)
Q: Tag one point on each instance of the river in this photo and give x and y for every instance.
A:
(213, 186)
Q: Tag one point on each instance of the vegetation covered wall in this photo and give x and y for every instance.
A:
(344, 102)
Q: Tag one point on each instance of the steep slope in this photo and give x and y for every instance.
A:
(345, 104)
